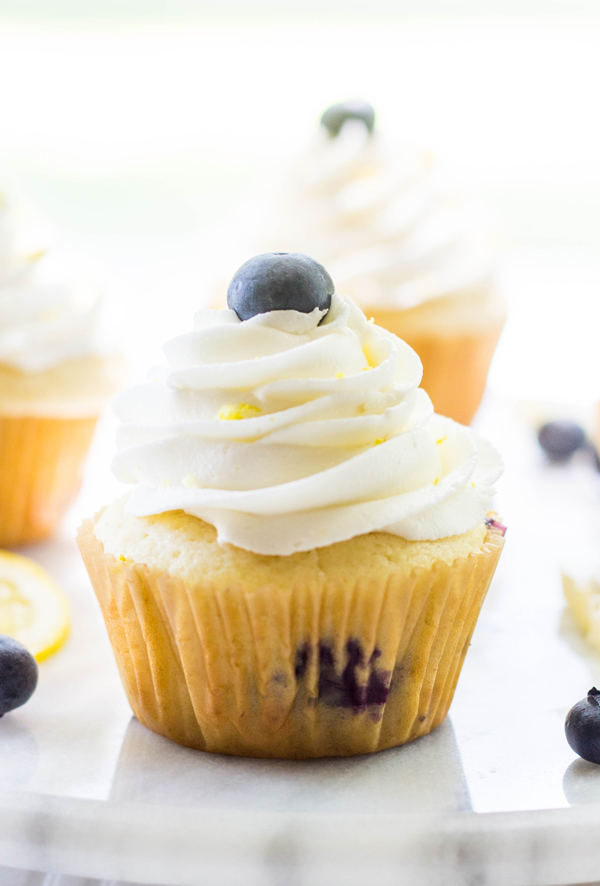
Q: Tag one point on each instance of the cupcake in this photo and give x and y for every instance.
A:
(299, 565)
(54, 380)
(400, 240)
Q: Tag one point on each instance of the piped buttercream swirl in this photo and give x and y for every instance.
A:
(287, 433)
(46, 318)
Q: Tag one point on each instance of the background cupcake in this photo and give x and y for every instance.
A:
(401, 241)
(300, 565)
(54, 380)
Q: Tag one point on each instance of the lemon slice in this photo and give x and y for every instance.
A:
(33, 609)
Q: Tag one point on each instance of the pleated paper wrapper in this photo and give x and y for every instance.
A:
(455, 367)
(41, 465)
(310, 671)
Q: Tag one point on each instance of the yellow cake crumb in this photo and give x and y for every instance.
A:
(183, 545)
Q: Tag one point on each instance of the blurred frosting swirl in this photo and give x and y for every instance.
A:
(45, 318)
(288, 435)
(382, 219)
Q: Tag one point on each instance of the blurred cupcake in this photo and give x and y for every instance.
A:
(54, 380)
(399, 240)
(300, 565)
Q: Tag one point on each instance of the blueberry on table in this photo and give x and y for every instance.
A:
(334, 117)
(18, 674)
(582, 727)
(560, 439)
(279, 281)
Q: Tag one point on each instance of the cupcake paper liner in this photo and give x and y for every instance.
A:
(41, 463)
(455, 366)
(311, 671)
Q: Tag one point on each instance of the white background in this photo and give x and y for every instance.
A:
(138, 130)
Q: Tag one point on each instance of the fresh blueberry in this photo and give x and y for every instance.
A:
(279, 281)
(334, 117)
(560, 439)
(582, 727)
(18, 674)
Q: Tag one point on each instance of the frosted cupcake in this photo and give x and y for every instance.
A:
(53, 383)
(401, 242)
(299, 566)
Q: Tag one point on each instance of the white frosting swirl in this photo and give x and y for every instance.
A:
(45, 319)
(288, 435)
(382, 220)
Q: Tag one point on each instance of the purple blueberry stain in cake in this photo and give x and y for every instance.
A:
(342, 686)
(280, 678)
(326, 658)
(302, 660)
(496, 525)
(378, 687)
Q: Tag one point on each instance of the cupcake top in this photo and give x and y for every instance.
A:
(297, 427)
(382, 217)
(45, 318)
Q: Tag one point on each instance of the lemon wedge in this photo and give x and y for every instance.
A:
(33, 609)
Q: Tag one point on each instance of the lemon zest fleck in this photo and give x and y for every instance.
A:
(368, 359)
(190, 482)
(230, 412)
(441, 440)
(436, 481)
(122, 558)
(340, 375)
(36, 256)
(380, 440)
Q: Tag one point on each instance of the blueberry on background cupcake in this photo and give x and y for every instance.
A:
(299, 565)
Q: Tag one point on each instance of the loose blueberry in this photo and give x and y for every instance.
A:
(279, 281)
(334, 117)
(18, 674)
(560, 439)
(582, 727)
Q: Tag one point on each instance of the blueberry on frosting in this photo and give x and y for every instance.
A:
(279, 281)
(335, 116)
(582, 727)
